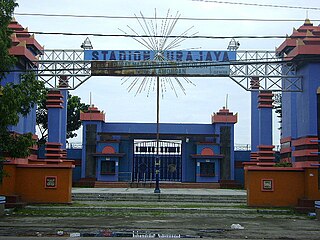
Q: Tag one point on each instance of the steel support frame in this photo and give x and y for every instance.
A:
(63, 66)
(68, 66)
(272, 73)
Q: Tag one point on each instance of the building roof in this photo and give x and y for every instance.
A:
(304, 41)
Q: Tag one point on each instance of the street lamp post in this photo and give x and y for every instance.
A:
(157, 159)
(156, 27)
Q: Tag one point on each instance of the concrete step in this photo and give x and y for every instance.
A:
(157, 204)
(158, 197)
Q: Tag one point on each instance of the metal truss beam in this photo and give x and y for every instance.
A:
(67, 69)
(63, 68)
(271, 72)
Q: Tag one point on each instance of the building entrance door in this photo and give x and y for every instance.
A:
(145, 153)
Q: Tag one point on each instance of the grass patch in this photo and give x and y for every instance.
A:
(157, 205)
(91, 213)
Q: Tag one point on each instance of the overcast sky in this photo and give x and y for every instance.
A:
(209, 94)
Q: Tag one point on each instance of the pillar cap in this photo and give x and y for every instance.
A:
(92, 114)
(224, 116)
(54, 99)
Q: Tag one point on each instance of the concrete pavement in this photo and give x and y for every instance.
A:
(205, 213)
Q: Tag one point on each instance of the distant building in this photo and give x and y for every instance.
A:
(193, 153)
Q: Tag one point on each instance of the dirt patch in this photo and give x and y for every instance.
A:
(188, 225)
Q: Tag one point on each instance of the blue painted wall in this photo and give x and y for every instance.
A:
(306, 102)
(188, 163)
(75, 154)
(72, 154)
(289, 120)
(165, 128)
(27, 123)
(240, 157)
(300, 109)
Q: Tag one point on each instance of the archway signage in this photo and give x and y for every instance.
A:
(76, 67)
(159, 63)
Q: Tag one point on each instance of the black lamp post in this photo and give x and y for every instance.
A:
(157, 160)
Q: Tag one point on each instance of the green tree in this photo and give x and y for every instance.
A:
(6, 61)
(15, 100)
(74, 107)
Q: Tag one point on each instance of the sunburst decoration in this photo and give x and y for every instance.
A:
(158, 31)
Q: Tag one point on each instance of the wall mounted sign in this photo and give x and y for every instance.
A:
(153, 68)
(51, 182)
(267, 185)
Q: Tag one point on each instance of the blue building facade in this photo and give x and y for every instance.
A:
(300, 127)
(114, 152)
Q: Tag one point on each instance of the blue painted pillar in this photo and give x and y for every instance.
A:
(265, 117)
(54, 150)
(54, 106)
(265, 153)
(224, 121)
(255, 139)
(92, 122)
(63, 120)
(63, 85)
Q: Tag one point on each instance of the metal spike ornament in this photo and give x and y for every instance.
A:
(159, 31)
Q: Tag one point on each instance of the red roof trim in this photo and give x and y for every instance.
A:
(22, 51)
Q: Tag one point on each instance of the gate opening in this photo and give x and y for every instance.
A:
(145, 154)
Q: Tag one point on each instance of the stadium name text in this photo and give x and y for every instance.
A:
(144, 55)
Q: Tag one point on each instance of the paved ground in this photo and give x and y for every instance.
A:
(187, 225)
(94, 219)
